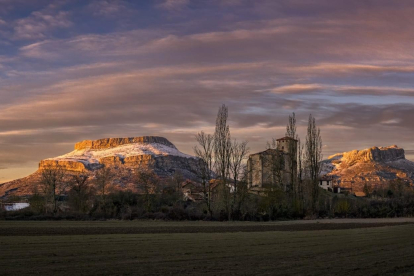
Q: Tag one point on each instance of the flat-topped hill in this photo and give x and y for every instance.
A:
(123, 155)
(114, 142)
(375, 166)
(130, 152)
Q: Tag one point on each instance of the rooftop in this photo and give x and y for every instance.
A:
(267, 151)
(286, 138)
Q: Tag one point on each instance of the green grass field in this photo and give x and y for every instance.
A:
(218, 250)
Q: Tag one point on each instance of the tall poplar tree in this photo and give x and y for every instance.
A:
(313, 157)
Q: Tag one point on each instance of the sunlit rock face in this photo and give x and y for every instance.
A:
(152, 152)
(374, 154)
(123, 155)
(115, 142)
(69, 165)
(374, 166)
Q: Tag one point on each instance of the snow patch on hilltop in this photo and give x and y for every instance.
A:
(92, 156)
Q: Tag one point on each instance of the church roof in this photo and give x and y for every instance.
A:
(268, 151)
(286, 138)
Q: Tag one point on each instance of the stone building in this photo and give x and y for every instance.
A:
(271, 168)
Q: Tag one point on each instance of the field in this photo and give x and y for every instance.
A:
(345, 247)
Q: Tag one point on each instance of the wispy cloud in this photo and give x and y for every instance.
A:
(297, 88)
(40, 23)
(340, 89)
(73, 70)
(355, 68)
(108, 7)
(173, 4)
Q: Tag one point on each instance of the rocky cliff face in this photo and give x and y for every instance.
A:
(115, 142)
(124, 155)
(374, 166)
(374, 154)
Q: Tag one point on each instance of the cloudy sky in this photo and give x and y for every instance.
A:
(74, 70)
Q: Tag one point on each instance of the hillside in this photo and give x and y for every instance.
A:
(375, 166)
(122, 154)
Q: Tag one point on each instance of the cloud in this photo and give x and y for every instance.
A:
(373, 90)
(108, 7)
(357, 68)
(127, 43)
(172, 5)
(39, 23)
(305, 89)
(101, 97)
(297, 88)
(166, 71)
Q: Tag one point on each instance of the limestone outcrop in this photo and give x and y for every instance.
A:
(374, 154)
(69, 165)
(123, 155)
(375, 166)
(115, 142)
(148, 151)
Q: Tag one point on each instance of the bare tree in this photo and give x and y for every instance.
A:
(178, 180)
(291, 127)
(239, 152)
(313, 157)
(222, 145)
(300, 175)
(53, 184)
(292, 155)
(80, 191)
(103, 178)
(148, 182)
(242, 187)
(204, 151)
(222, 153)
(300, 171)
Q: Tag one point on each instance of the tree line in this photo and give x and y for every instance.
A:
(224, 159)
(292, 190)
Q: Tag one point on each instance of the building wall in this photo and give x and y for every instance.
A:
(254, 166)
(283, 145)
(260, 169)
(325, 184)
(16, 206)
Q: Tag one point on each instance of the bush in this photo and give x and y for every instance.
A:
(177, 213)
(126, 205)
(343, 207)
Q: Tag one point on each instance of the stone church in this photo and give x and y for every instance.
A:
(271, 168)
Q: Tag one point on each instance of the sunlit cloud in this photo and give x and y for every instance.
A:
(340, 89)
(91, 69)
(297, 88)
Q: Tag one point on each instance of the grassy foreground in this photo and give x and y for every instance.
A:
(386, 250)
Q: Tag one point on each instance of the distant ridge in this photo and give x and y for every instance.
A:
(122, 154)
(114, 142)
(375, 166)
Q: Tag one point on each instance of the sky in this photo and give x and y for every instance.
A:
(72, 70)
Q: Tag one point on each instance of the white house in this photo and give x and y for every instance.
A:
(15, 206)
(326, 183)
